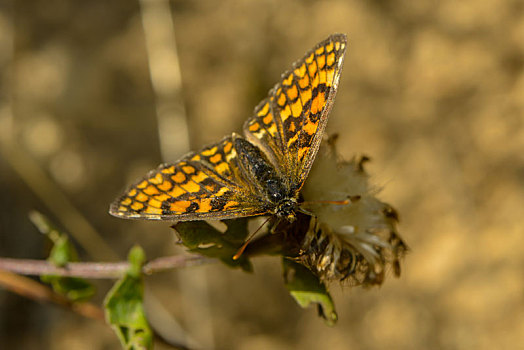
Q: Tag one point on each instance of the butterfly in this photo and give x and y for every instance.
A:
(260, 173)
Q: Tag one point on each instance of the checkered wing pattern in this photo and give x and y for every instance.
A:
(203, 185)
(217, 183)
(289, 124)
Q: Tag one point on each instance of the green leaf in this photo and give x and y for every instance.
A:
(73, 288)
(125, 308)
(307, 289)
(202, 238)
(63, 252)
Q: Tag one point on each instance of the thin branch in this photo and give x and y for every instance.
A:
(34, 290)
(175, 261)
(98, 270)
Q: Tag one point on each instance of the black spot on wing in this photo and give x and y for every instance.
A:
(192, 207)
(218, 203)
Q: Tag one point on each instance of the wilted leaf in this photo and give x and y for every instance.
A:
(124, 306)
(306, 289)
(63, 252)
(202, 238)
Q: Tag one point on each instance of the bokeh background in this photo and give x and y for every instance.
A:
(95, 93)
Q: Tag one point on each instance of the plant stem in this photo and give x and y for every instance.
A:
(109, 270)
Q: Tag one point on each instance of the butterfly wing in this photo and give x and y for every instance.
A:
(202, 185)
(289, 124)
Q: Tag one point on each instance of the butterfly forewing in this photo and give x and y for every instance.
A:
(207, 184)
(288, 125)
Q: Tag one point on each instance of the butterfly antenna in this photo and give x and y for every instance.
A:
(248, 240)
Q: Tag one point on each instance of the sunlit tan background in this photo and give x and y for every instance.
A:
(91, 98)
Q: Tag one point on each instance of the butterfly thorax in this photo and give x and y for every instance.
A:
(271, 188)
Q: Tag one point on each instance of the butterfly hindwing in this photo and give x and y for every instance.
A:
(289, 124)
(201, 185)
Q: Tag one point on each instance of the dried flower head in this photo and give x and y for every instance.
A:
(353, 235)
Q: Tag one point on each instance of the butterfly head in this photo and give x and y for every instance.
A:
(287, 209)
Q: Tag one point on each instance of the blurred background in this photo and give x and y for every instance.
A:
(94, 94)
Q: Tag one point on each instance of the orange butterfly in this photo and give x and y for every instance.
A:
(260, 173)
